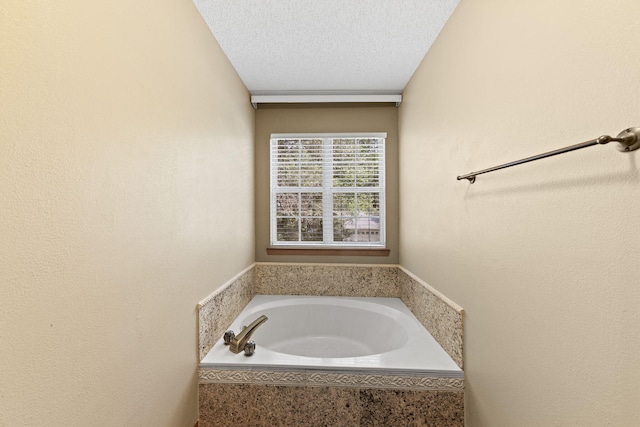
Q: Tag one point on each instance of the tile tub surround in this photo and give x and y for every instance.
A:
(321, 398)
(439, 315)
(217, 311)
(269, 405)
(348, 280)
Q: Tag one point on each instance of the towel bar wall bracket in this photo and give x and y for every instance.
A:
(628, 140)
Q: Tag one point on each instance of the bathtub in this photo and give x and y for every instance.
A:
(335, 334)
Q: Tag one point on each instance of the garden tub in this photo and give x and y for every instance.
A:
(335, 334)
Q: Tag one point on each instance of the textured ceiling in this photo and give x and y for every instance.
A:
(326, 46)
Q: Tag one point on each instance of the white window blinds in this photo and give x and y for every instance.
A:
(328, 189)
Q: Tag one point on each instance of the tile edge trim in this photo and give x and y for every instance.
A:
(434, 291)
(222, 288)
(323, 379)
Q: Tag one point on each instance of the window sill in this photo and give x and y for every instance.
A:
(329, 251)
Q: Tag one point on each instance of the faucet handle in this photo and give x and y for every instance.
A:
(250, 348)
(228, 337)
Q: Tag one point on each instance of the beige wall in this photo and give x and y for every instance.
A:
(120, 124)
(331, 118)
(543, 256)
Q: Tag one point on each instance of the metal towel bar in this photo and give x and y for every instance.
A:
(628, 140)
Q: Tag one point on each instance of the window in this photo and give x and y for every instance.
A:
(327, 190)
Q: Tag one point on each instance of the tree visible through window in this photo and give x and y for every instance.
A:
(327, 190)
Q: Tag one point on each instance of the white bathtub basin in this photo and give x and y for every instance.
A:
(329, 328)
(378, 335)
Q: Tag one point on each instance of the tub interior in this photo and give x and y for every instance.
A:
(354, 334)
(327, 330)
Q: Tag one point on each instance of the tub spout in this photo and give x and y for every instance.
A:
(239, 341)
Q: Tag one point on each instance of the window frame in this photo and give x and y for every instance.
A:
(328, 190)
